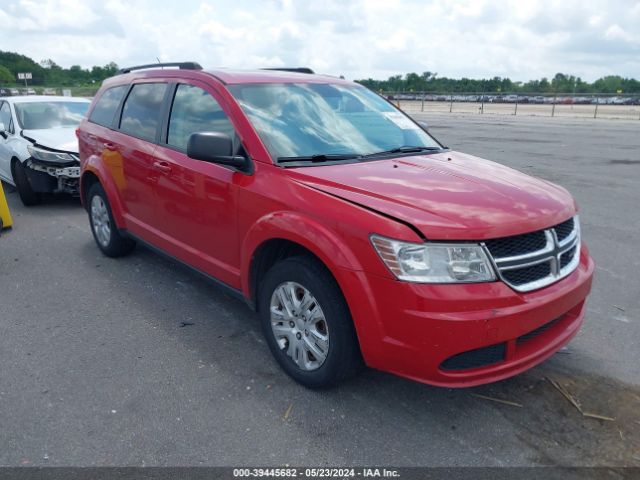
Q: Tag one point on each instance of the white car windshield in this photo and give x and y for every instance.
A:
(325, 120)
(45, 115)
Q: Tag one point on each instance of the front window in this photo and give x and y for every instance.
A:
(324, 120)
(194, 110)
(45, 115)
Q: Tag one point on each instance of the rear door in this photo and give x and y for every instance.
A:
(97, 134)
(134, 144)
(198, 199)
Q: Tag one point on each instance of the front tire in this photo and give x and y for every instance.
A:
(307, 323)
(104, 229)
(28, 196)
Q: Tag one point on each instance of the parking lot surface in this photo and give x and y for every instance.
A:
(138, 361)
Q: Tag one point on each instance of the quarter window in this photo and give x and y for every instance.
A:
(106, 106)
(195, 110)
(142, 110)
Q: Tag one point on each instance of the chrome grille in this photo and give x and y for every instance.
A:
(566, 257)
(517, 245)
(522, 276)
(534, 260)
(564, 229)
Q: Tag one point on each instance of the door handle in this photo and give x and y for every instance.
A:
(164, 167)
(109, 146)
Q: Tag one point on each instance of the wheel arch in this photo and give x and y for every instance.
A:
(91, 175)
(12, 165)
(87, 180)
(266, 255)
(280, 235)
(285, 233)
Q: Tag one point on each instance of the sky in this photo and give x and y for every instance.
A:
(521, 39)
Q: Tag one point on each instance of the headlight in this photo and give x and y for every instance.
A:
(434, 262)
(49, 156)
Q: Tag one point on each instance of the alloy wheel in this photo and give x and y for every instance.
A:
(100, 220)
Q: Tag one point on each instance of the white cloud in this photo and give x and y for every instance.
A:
(615, 32)
(359, 38)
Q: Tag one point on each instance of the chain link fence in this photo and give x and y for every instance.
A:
(585, 105)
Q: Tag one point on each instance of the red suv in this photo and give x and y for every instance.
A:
(356, 236)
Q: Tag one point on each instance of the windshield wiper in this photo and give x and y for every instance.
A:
(320, 157)
(330, 157)
(403, 149)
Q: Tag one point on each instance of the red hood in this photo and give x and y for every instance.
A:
(447, 196)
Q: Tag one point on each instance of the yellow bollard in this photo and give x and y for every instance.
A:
(5, 215)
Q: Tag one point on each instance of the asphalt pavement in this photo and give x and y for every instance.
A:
(138, 361)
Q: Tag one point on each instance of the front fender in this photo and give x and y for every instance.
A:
(336, 254)
(303, 230)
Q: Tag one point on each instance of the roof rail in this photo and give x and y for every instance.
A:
(293, 69)
(180, 65)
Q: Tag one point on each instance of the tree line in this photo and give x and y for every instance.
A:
(560, 83)
(48, 73)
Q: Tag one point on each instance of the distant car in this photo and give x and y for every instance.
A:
(5, 92)
(49, 91)
(38, 145)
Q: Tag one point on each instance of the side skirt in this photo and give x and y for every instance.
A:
(228, 289)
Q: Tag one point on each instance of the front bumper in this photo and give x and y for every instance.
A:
(466, 334)
(47, 177)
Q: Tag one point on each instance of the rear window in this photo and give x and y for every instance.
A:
(106, 107)
(142, 110)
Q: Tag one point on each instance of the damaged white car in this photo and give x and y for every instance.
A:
(38, 144)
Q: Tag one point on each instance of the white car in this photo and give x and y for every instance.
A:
(38, 144)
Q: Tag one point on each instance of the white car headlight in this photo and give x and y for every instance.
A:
(434, 262)
(48, 155)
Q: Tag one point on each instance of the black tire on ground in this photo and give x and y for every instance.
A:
(28, 196)
(343, 360)
(108, 239)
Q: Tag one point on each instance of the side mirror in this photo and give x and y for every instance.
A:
(215, 147)
(3, 130)
(424, 125)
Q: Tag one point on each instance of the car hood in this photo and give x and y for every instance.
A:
(63, 139)
(447, 196)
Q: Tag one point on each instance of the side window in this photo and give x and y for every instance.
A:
(194, 110)
(5, 117)
(106, 106)
(142, 110)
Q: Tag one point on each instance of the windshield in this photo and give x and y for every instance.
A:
(44, 115)
(311, 119)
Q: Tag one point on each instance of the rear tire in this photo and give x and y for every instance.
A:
(316, 345)
(28, 196)
(104, 229)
